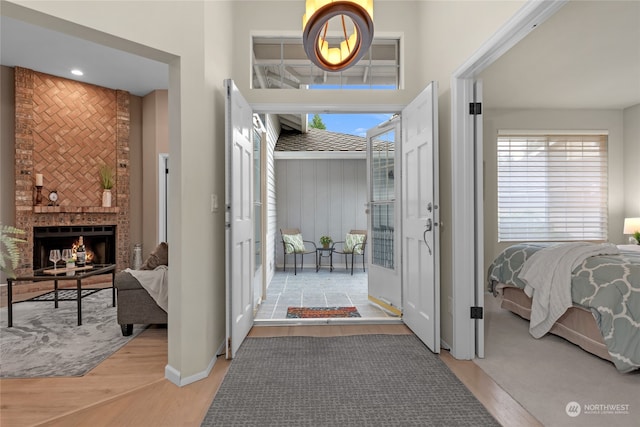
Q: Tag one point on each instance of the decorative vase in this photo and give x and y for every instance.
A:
(106, 198)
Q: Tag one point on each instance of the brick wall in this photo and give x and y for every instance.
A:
(66, 130)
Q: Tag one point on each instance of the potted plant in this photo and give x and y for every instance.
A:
(325, 241)
(106, 181)
(9, 255)
(636, 236)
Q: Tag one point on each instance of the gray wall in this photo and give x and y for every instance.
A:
(321, 197)
(631, 117)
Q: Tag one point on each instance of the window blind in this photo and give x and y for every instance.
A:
(552, 187)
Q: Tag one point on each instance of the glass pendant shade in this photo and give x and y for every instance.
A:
(355, 17)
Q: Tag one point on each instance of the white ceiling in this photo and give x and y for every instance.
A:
(55, 53)
(585, 56)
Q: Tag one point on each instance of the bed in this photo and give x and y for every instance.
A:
(586, 293)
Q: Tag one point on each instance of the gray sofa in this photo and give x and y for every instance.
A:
(135, 306)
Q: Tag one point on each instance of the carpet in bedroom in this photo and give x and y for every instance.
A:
(358, 380)
(545, 375)
(47, 342)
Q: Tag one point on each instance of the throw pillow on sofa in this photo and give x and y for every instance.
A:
(159, 256)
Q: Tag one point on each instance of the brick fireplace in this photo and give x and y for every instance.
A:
(66, 130)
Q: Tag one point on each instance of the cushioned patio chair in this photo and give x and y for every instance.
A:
(353, 245)
(293, 244)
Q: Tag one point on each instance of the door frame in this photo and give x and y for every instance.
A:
(467, 219)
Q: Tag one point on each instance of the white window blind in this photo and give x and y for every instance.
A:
(552, 187)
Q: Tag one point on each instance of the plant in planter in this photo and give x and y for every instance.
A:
(325, 241)
(636, 236)
(9, 255)
(106, 181)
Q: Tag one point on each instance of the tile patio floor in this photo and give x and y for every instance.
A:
(321, 289)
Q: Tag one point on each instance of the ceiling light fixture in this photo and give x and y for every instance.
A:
(315, 33)
(77, 72)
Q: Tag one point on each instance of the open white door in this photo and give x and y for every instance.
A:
(238, 217)
(421, 217)
(384, 211)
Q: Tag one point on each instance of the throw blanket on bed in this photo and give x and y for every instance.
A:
(547, 275)
(156, 282)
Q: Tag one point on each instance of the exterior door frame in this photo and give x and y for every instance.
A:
(467, 220)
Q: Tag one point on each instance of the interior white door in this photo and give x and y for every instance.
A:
(420, 217)
(384, 211)
(238, 217)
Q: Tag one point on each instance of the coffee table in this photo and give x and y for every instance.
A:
(60, 274)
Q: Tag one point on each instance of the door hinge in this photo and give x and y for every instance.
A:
(476, 312)
(475, 108)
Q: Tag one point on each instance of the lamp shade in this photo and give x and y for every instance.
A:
(631, 225)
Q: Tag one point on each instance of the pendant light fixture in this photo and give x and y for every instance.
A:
(352, 47)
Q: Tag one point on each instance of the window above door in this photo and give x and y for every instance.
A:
(281, 63)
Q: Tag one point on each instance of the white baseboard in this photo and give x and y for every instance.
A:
(173, 375)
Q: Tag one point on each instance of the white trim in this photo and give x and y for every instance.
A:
(173, 375)
(464, 280)
(319, 155)
(272, 108)
(541, 132)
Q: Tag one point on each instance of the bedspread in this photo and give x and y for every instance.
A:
(607, 285)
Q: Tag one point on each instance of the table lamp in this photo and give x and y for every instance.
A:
(632, 226)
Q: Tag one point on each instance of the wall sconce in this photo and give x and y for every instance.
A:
(315, 23)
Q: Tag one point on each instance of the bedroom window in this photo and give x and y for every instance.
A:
(552, 187)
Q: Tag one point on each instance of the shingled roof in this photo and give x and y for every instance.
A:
(320, 140)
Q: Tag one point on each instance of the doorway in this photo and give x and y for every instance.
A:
(420, 137)
(316, 180)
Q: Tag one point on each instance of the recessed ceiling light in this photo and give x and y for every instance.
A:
(77, 72)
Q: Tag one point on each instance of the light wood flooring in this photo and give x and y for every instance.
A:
(129, 389)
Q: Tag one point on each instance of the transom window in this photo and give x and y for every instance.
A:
(281, 63)
(552, 187)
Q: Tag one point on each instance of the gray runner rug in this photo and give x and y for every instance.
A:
(361, 380)
(47, 342)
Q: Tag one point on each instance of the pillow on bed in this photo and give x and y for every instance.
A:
(159, 256)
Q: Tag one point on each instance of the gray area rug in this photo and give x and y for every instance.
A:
(47, 342)
(373, 380)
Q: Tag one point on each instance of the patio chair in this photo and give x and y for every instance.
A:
(293, 244)
(353, 245)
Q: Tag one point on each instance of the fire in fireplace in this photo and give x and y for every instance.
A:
(99, 241)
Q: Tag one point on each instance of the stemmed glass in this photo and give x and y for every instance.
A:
(67, 254)
(54, 256)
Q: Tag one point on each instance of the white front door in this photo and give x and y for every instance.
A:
(384, 212)
(420, 218)
(238, 217)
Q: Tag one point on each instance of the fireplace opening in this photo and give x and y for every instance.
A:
(99, 241)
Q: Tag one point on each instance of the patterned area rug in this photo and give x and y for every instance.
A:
(47, 342)
(321, 312)
(360, 380)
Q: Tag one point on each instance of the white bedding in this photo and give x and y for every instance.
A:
(156, 282)
(547, 275)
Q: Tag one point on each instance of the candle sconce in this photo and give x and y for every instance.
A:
(38, 195)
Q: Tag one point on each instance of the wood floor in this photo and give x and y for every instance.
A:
(129, 388)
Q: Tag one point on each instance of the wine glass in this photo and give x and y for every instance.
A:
(67, 254)
(54, 256)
